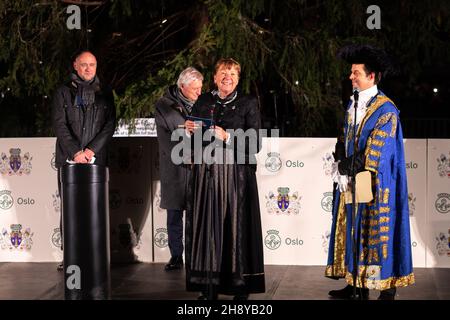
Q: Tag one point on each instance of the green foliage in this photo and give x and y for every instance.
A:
(286, 47)
(121, 7)
(139, 98)
(33, 39)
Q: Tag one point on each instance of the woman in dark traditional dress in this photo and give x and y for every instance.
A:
(224, 248)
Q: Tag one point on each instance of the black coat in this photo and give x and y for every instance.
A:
(169, 114)
(76, 130)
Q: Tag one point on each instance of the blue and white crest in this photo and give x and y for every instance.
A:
(283, 203)
(15, 164)
(283, 199)
(16, 239)
(15, 160)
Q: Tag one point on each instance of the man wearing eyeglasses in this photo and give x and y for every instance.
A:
(83, 116)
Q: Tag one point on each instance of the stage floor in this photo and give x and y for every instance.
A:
(149, 281)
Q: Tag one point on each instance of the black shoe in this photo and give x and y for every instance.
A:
(175, 263)
(240, 297)
(204, 296)
(388, 294)
(60, 267)
(347, 293)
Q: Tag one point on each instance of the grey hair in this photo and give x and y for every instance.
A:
(188, 75)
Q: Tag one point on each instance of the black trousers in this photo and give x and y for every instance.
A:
(60, 209)
(175, 231)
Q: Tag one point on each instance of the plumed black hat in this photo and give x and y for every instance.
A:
(375, 59)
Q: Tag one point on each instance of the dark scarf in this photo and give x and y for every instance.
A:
(85, 90)
(184, 101)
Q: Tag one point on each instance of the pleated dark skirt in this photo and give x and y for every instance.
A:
(223, 237)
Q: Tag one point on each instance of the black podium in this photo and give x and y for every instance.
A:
(85, 205)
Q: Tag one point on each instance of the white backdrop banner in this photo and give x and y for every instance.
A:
(438, 203)
(295, 191)
(295, 200)
(29, 201)
(416, 163)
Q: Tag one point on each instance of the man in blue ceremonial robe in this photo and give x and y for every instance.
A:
(382, 230)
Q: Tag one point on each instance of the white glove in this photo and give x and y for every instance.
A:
(341, 180)
(343, 183)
